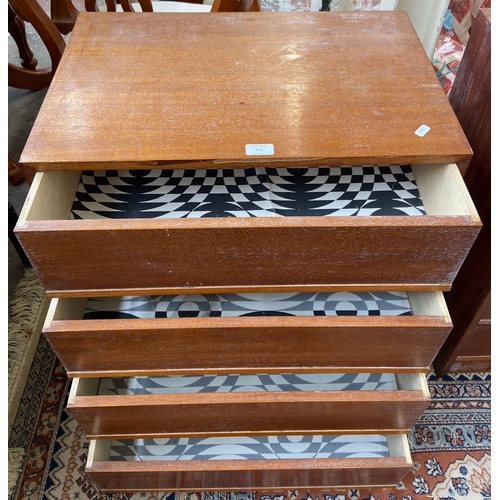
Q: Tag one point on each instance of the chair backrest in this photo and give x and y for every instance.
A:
(122, 5)
(236, 6)
(189, 5)
(64, 13)
(28, 75)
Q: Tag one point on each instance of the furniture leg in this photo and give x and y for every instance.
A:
(63, 14)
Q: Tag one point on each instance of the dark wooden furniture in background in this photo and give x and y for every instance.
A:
(468, 348)
(64, 13)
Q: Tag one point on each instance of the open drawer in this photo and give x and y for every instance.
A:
(247, 333)
(262, 229)
(231, 405)
(254, 463)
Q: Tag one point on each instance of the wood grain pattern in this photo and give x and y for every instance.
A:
(291, 79)
(248, 413)
(230, 475)
(246, 345)
(397, 252)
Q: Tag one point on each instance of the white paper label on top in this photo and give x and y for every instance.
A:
(422, 130)
(259, 149)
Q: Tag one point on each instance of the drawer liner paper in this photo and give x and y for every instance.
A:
(250, 192)
(251, 304)
(258, 447)
(280, 382)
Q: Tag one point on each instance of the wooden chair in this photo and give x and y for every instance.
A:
(28, 76)
(64, 13)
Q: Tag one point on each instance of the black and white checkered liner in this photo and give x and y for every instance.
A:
(251, 448)
(251, 304)
(250, 192)
(281, 382)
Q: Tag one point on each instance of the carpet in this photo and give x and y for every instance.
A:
(450, 444)
(27, 312)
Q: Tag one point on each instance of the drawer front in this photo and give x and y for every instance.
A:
(128, 346)
(245, 405)
(249, 474)
(163, 255)
(89, 257)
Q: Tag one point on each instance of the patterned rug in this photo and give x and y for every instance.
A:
(451, 446)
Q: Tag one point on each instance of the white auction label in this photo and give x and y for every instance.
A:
(422, 130)
(259, 149)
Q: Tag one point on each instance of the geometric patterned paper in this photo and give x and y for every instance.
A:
(251, 304)
(279, 382)
(250, 448)
(249, 192)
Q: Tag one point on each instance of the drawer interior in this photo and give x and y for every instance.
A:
(391, 236)
(264, 192)
(248, 192)
(243, 463)
(243, 383)
(250, 304)
(248, 405)
(272, 382)
(306, 304)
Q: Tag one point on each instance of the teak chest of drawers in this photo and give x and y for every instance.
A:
(246, 244)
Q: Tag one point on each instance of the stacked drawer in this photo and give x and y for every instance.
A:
(248, 328)
(134, 256)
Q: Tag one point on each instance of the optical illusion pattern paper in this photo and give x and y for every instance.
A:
(280, 382)
(251, 304)
(250, 192)
(258, 447)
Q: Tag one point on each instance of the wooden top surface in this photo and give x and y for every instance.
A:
(146, 90)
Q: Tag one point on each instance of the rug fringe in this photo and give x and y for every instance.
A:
(24, 307)
(16, 464)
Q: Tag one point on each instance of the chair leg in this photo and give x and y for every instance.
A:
(63, 14)
(17, 29)
(325, 6)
